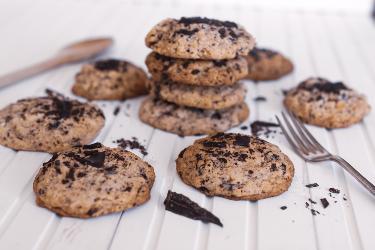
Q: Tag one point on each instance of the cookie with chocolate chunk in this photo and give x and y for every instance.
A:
(266, 64)
(110, 80)
(196, 72)
(320, 102)
(235, 166)
(190, 121)
(199, 38)
(52, 123)
(93, 180)
(204, 97)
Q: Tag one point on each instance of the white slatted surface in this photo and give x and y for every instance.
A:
(339, 46)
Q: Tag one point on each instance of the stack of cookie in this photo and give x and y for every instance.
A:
(195, 66)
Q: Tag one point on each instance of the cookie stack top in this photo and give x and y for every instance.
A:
(195, 65)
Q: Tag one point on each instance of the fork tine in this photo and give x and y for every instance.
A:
(294, 134)
(288, 138)
(307, 142)
(308, 134)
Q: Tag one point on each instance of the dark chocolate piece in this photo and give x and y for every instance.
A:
(334, 190)
(182, 205)
(324, 202)
(260, 99)
(263, 128)
(312, 185)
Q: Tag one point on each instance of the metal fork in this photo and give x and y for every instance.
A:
(311, 150)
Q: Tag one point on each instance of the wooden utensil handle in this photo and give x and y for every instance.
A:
(29, 71)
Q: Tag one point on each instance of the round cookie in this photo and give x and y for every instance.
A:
(51, 124)
(190, 121)
(110, 80)
(266, 64)
(199, 38)
(196, 72)
(235, 166)
(204, 97)
(326, 104)
(93, 180)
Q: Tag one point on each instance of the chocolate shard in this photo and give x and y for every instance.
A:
(324, 202)
(312, 185)
(182, 205)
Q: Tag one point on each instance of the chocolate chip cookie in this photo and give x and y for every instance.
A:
(266, 64)
(196, 72)
(52, 123)
(199, 38)
(190, 121)
(235, 166)
(110, 80)
(204, 97)
(326, 104)
(93, 180)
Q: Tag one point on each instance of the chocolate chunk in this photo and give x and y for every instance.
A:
(283, 207)
(260, 99)
(92, 211)
(255, 53)
(219, 63)
(182, 205)
(334, 190)
(187, 32)
(324, 85)
(93, 146)
(263, 128)
(214, 144)
(324, 202)
(195, 71)
(116, 110)
(204, 20)
(242, 140)
(110, 64)
(312, 185)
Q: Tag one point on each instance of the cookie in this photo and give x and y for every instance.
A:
(266, 64)
(190, 121)
(110, 80)
(93, 180)
(199, 38)
(326, 104)
(204, 97)
(235, 166)
(52, 123)
(196, 72)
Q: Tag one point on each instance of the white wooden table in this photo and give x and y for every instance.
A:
(339, 46)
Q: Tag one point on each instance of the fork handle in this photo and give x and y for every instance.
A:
(366, 183)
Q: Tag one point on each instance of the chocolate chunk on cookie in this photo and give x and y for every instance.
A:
(190, 121)
(93, 180)
(326, 104)
(204, 97)
(52, 123)
(196, 72)
(266, 64)
(110, 80)
(199, 38)
(235, 166)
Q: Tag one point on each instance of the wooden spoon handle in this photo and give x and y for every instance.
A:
(30, 71)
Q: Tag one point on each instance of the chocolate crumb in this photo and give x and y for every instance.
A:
(312, 185)
(260, 99)
(283, 207)
(334, 190)
(312, 202)
(132, 144)
(244, 127)
(116, 110)
(314, 212)
(324, 202)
